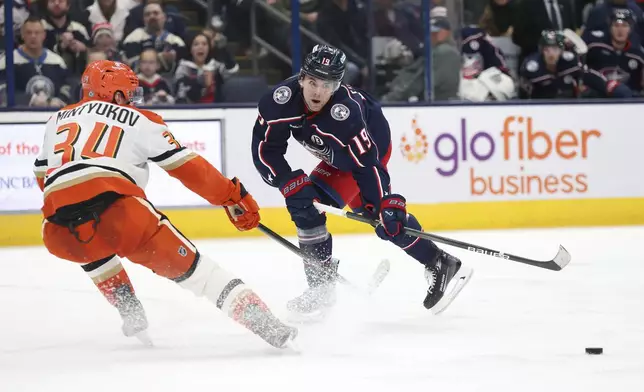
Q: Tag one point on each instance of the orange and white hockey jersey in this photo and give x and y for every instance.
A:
(94, 147)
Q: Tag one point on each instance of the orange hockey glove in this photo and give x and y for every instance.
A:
(242, 210)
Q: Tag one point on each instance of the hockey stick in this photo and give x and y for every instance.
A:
(556, 264)
(378, 276)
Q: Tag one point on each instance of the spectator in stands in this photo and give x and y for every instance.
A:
(169, 46)
(400, 21)
(40, 74)
(343, 23)
(173, 19)
(225, 63)
(67, 37)
(498, 17)
(20, 13)
(600, 16)
(103, 39)
(195, 79)
(128, 4)
(446, 66)
(534, 16)
(156, 90)
(613, 55)
(108, 11)
(95, 55)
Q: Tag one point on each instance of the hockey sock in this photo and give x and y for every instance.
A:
(425, 251)
(112, 280)
(233, 297)
(317, 244)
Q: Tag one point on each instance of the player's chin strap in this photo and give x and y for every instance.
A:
(556, 264)
(377, 278)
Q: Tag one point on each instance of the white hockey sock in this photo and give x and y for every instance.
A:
(228, 292)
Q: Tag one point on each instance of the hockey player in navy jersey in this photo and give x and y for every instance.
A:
(614, 55)
(345, 128)
(484, 73)
(479, 53)
(553, 72)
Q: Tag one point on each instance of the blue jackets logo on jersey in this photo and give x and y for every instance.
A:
(282, 95)
(340, 112)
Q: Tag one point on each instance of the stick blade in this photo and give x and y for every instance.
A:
(379, 275)
(562, 258)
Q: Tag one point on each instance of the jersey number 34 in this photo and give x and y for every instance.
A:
(90, 149)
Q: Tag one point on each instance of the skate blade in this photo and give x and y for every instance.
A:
(379, 275)
(144, 338)
(459, 281)
(291, 344)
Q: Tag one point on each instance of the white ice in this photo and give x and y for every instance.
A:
(513, 328)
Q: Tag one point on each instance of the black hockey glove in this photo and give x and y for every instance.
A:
(393, 217)
(299, 194)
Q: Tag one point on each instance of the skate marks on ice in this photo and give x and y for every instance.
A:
(512, 328)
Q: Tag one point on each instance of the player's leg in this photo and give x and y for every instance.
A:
(163, 249)
(328, 185)
(444, 272)
(110, 278)
(82, 245)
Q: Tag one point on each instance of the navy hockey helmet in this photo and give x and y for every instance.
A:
(622, 15)
(551, 38)
(326, 63)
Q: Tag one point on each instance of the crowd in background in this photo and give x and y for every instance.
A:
(481, 49)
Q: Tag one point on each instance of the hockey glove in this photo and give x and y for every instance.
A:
(299, 194)
(393, 217)
(242, 210)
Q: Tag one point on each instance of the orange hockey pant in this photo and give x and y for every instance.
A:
(131, 227)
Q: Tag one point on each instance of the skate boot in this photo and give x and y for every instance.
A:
(446, 278)
(317, 300)
(135, 323)
(251, 312)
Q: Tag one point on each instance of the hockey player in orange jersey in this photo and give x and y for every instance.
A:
(93, 169)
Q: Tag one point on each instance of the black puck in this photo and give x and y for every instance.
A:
(594, 350)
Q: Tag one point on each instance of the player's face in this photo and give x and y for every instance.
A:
(620, 31)
(317, 92)
(551, 54)
(33, 35)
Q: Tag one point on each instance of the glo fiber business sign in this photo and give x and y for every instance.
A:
(515, 152)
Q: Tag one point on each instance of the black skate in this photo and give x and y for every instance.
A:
(446, 279)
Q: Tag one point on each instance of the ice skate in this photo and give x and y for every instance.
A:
(446, 279)
(135, 323)
(312, 305)
(257, 318)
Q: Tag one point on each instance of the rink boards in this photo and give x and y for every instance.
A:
(460, 167)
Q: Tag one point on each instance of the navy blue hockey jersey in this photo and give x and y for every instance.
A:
(349, 133)
(479, 53)
(625, 66)
(540, 83)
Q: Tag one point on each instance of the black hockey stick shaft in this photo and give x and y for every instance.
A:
(289, 245)
(556, 264)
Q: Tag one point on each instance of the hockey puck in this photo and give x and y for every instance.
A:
(594, 350)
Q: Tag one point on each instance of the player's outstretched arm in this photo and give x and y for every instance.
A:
(201, 177)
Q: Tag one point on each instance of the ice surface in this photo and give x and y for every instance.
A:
(513, 328)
